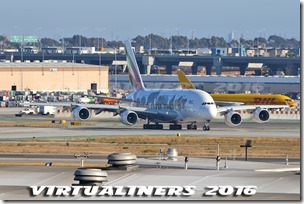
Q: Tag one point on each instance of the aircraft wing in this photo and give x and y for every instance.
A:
(109, 97)
(57, 104)
(110, 108)
(141, 112)
(224, 109)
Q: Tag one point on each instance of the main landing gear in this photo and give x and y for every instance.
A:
(192, 126)
(175, 127)
(206, 127)
(155, 126)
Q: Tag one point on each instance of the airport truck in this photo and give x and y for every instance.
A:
(26, 111)
(47, 110)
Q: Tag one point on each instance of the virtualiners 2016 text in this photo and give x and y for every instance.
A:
(112, 190)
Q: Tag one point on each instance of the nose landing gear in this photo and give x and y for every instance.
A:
(206, 127)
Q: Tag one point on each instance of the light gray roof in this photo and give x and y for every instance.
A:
(47, 64)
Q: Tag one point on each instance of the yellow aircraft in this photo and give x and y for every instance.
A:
(247, 99)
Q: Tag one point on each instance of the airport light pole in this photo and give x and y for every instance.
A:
(101, 31)
(98, 43)
(63, 50)
(115, 72)
(79, 44)
(101, 44)
(188, 44)
(61, 33)
(171, 47)
(150, 43)
(21, 50)
(239, 45)
(99, 55)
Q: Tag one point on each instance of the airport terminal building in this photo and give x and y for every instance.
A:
(77, 77)
(218, 84)
(53, 76)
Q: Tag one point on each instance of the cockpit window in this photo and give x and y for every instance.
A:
(207, 103)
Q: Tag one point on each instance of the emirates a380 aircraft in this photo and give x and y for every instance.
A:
(174, 106)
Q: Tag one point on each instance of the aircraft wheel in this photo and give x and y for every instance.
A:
(159, 127)
(171, 127)
(206, 128)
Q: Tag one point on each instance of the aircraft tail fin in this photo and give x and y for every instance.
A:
(184, 81)
(134, 74)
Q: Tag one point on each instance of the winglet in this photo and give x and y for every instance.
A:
(134, 73)
(184, 81)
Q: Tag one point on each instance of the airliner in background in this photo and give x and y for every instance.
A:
(174, 106)
(240, 98)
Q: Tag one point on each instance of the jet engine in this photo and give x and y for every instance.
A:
(261, 115)
(129, 117)
(81, 113)
(233, 118)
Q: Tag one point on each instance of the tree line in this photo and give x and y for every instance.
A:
(153, 41)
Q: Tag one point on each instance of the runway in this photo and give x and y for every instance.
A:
(111, 126)
(102, 129)
(274, 179)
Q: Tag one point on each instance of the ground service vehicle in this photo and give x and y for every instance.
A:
(47, 110)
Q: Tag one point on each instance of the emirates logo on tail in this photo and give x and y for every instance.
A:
(134, 73)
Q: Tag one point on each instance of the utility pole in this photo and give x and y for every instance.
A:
(98, 43)
(150, 44)
(171, 45)
(79, 44)
(115, 72)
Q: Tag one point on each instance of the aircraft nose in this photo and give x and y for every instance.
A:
(212, 112)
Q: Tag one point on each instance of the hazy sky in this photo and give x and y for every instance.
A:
(125, 19)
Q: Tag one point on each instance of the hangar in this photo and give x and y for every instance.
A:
(53, 76)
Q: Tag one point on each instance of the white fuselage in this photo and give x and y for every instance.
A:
(176, 105)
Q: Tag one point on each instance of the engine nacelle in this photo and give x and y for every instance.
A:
(81, 113)
(261, 115)
(128, 117)
(233, 119)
